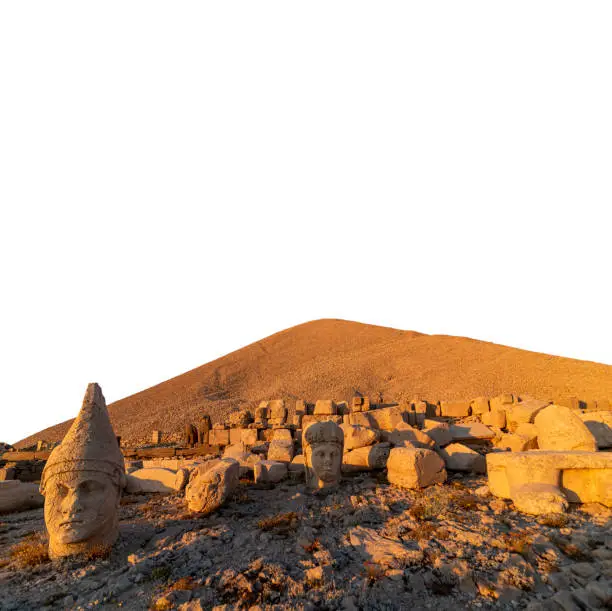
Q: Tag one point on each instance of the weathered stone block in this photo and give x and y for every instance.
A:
(523, 413)
(282, 451)
(19, 496)
(211, 485)
(219, 437)
(438, 431)
(495, 418)
(385, 418)
(235, 435)
(501, 401)
(480, 405)
(156, 437)
(513, 442)
(559, 428)
(282, 435)
(455, 409)
(405, 433)
(584, 477)
(308, 420)
(270, 472)
(155, 479)
(600, 426)
(366, 458)
(356, 436)
(472, 431)
(324, 407)
(458, 457)
(415, 468)
(248, 437)
(360, 404)
(278, 409)
(7, 473)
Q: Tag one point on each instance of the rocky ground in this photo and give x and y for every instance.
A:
(367, 546)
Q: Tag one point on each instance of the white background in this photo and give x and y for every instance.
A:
(178, 180)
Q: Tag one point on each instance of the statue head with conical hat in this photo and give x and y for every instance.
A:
(82, 482)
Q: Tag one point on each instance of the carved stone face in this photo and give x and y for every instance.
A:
(326, 461)
(81, 507)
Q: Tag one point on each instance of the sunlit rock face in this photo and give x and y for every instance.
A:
(82, 483)
(323, 444)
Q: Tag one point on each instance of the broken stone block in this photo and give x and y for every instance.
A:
(248, 437)
(495, 418)
(415, 468)
(133, 465)
(381, 551)
(262, 412)
(324, 407)
(600, 426)
(308, 420)
(480, 405)
(244, 457)
(523, 413)
(210, 486)
(356, 436)
(438, 431)
(278, 410)
(19, 496)
(156, 437)
(219, 437)
(559, 428)
(297, 464)
(501, 401)
(513, 442)
(300, 407)
(154, 480)
(455, 409)
(471, 431)
(282, 435)
(240, 419)
(235, 436)
(583, 477)
(420, 407)
(385, 418)
(7, 473)
(360, 404)
(366, 458)
(458, 457)
(539, 499)
(270, 472)
(281, 450)
(405, 433)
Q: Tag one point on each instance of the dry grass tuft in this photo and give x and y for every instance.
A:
(518, 542)
(554, 520)
(282, 523)
(32, 551)
(373, 572)
(184, 583)
(428, 507)
(465, 501)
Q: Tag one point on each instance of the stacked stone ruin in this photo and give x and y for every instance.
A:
(540, 455)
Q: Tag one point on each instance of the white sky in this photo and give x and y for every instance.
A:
(178, 180)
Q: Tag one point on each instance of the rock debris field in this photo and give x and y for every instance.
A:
(369, 545)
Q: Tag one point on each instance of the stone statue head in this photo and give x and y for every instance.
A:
(323, 444)
(82, 482)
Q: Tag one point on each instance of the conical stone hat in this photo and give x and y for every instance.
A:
(89, 445)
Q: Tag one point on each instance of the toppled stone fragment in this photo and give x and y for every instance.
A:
(366, 459)
(459, 457)
(539, 499)
(154, 479)
(281, 450)
(210, 486)
(559, 428)
(405, 433)
(19, 496)
(415, 468)
(438, 431)
(382, 551)
(356, 436)
(471, 431)
(600, 426)
(270, 471)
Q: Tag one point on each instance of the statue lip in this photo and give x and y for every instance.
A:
(71, 522)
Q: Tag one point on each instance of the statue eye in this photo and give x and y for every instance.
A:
(61, 490)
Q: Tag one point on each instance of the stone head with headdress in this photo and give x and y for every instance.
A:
(82, 482)
(323, 444)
